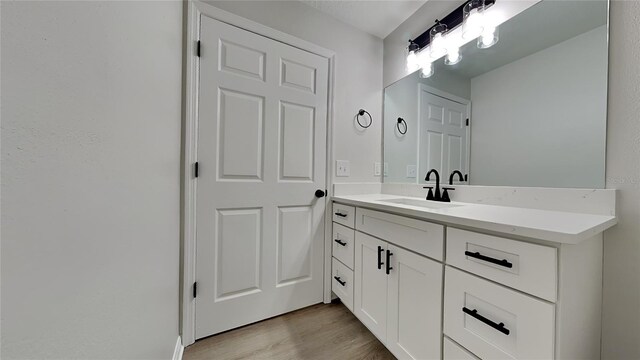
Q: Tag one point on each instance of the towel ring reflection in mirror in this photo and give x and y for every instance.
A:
(361, 112)
(401, 129)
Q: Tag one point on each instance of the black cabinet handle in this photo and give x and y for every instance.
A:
(343, 283)
(474, 313)
(341, 214)
(380, 251)
(340, 242)
(389, 268)
(479, 256)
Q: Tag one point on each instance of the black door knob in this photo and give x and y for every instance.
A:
(319, 193)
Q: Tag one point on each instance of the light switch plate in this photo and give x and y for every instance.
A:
(377, 169)
(412, 171)
(342, 168)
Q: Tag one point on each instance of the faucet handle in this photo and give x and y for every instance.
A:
(430, 194)
(445, 194)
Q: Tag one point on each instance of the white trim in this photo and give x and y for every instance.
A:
(190, 133)
(178, 351)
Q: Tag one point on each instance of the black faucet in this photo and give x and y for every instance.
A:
(459, 176)
(431, 195)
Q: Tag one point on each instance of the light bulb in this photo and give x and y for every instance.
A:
(412, 62)
(438, 46)
(488, 38)
(427, 70)
(473, 25)
(453, 56)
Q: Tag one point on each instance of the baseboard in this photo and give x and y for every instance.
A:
(179, 350)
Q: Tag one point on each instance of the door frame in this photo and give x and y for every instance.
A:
(194, 9)
(443, 94)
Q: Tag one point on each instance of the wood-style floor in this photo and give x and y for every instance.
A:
(324, 331)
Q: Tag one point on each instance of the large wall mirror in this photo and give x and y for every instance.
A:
(536, 103)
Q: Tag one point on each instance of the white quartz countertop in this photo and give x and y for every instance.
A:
(556, 226)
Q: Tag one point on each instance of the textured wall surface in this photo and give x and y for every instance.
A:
(91, 109)
(621, 315)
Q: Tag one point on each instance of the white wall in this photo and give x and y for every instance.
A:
(91, 113)
(621, 316)
(525, 132)
(358, 78)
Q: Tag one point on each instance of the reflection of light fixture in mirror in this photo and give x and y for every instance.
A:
(453, 56)
(426, 69)
(438, 43)
(412, 57)
(488, 38)
(473, 19)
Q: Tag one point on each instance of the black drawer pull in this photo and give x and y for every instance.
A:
(341, 214)
(340, 242)
(479, 256)
(474, 313)
(380, 251)
(389, 268)
(343, 283)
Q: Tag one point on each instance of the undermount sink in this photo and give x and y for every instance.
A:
(420, 203)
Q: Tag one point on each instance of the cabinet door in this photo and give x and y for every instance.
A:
(370, 295)
(414, 305)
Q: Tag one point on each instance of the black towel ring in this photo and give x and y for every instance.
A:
(401, 121)
(361, 112)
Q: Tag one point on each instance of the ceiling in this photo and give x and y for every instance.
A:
(378, 18)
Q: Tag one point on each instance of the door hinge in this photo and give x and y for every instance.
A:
(198, 48)
(195, 169)
(195, 289)
(467, 121)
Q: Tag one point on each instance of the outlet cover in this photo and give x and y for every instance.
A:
(412, 171)
(342, 168)
(377, 169)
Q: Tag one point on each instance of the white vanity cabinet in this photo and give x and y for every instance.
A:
(418, 284)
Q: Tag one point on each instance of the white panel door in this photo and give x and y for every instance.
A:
(261, 153)
(414, 306)
(370, 293)
(443, 134)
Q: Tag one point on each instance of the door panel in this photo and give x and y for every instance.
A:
(443, 134)
(262, 116)
(414, 306)
(370, 295)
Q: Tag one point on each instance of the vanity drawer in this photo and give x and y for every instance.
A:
(524, 266)
(342, 283)
(495, 322)
(420, 236)
(343, 247)
(344, 214)
(453, 351)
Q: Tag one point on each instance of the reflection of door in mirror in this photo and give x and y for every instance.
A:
(443, 142)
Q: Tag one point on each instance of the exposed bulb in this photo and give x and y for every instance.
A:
(412, 62)
(473, 25)
(453, 56)
(427, 70)
(488, 38)
(438, 46)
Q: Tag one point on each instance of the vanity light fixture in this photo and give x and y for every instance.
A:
(438, 43)
(468, 22)
(412, 57)
(473, 19)
(489, 37)
(453, 56)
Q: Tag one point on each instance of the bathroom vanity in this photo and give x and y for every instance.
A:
(466, 280)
